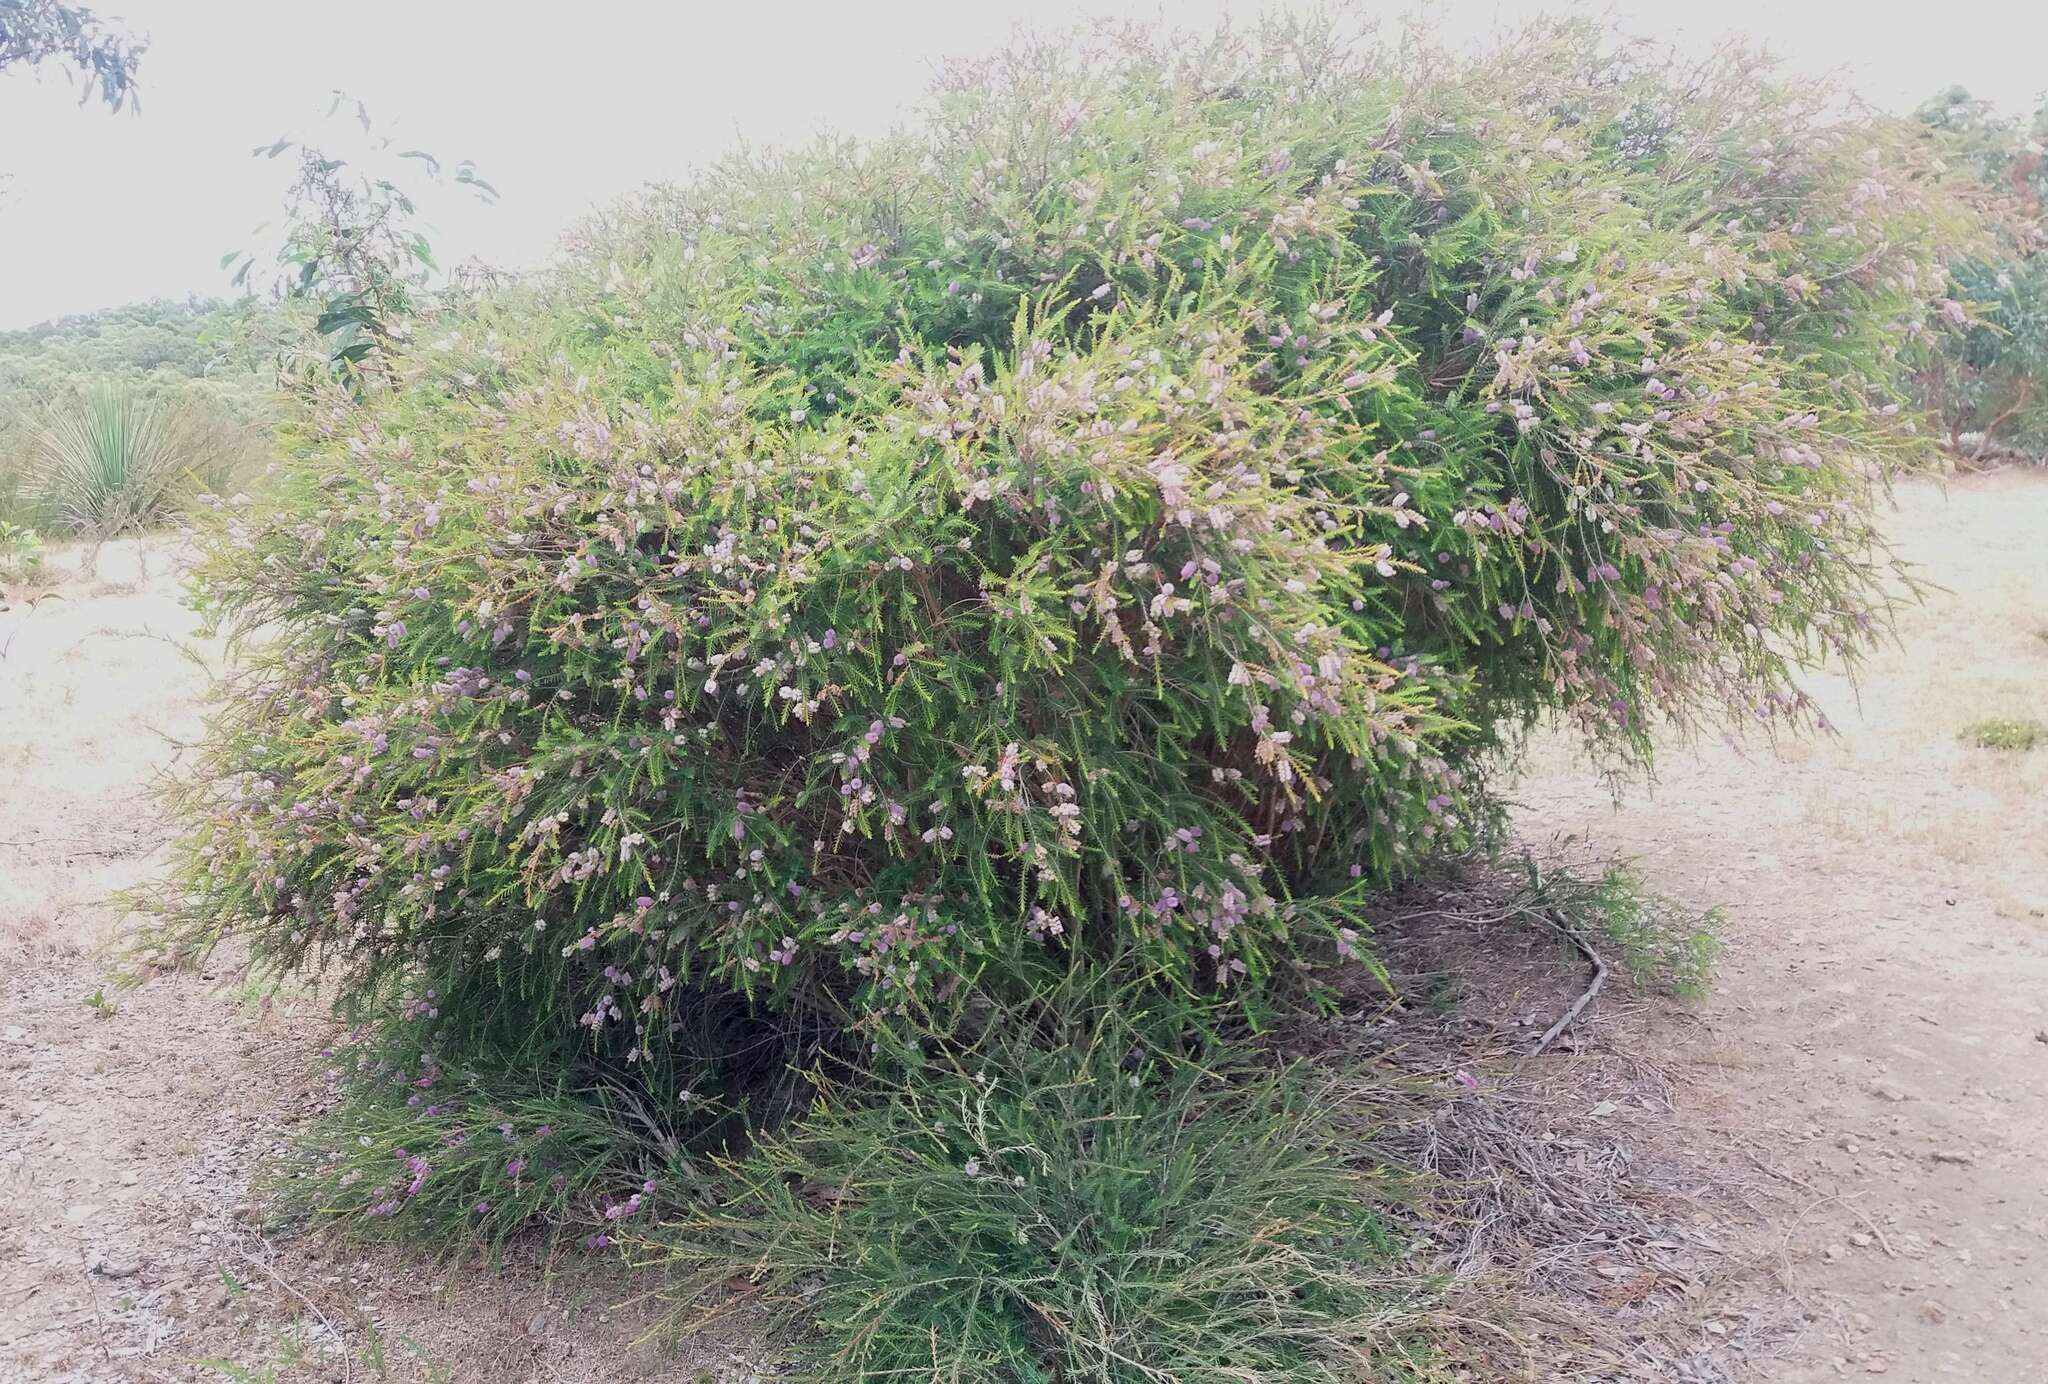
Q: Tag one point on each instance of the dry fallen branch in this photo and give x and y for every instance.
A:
(1585, 996)
(184, 647)
(1573, 1246)
(1822, 1199)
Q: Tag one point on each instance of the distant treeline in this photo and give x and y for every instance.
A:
(161, 342)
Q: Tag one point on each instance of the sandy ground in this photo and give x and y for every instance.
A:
(1879, 1033)
(1861, 1100)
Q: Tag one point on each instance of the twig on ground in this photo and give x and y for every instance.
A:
(1824, 1198)
(347, 1364)
(32, 605)
(197, 657)
(1596, 1243)
(73, 853)
(1585, 996)
(99, 1322)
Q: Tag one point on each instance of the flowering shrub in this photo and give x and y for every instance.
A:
(1123, 514)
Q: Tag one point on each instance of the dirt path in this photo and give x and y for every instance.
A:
(1879, 1036)
(1880, 1029)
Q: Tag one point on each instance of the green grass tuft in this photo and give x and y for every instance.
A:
(1083, 1196)
(1656, 940)
(2020, 733)
(462, 1160)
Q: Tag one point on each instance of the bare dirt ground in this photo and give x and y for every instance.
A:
(131, 1121)
(1878, 1035)
(1829, 1168)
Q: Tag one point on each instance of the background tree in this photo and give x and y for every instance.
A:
(1985, 385)
(356, 245)
(35, 32)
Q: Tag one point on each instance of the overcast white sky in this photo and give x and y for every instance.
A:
(564, 106)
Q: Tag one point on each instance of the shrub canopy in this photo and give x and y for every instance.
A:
(1125, 511)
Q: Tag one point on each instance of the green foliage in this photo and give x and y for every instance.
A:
(21, 551)
(1122, 517)
(35, 32)
(2016, 733)
(1988, 380)
(1086, 1194)
(355, 247)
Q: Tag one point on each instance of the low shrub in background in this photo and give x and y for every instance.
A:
(1991, 393)
(107, 466)
(121, 459)
(21, 551)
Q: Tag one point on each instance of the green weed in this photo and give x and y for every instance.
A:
(289, 1358)
(21, 551)
(1654, 938)
(2020, 734)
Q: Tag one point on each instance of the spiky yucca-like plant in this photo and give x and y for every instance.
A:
(110, 463)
